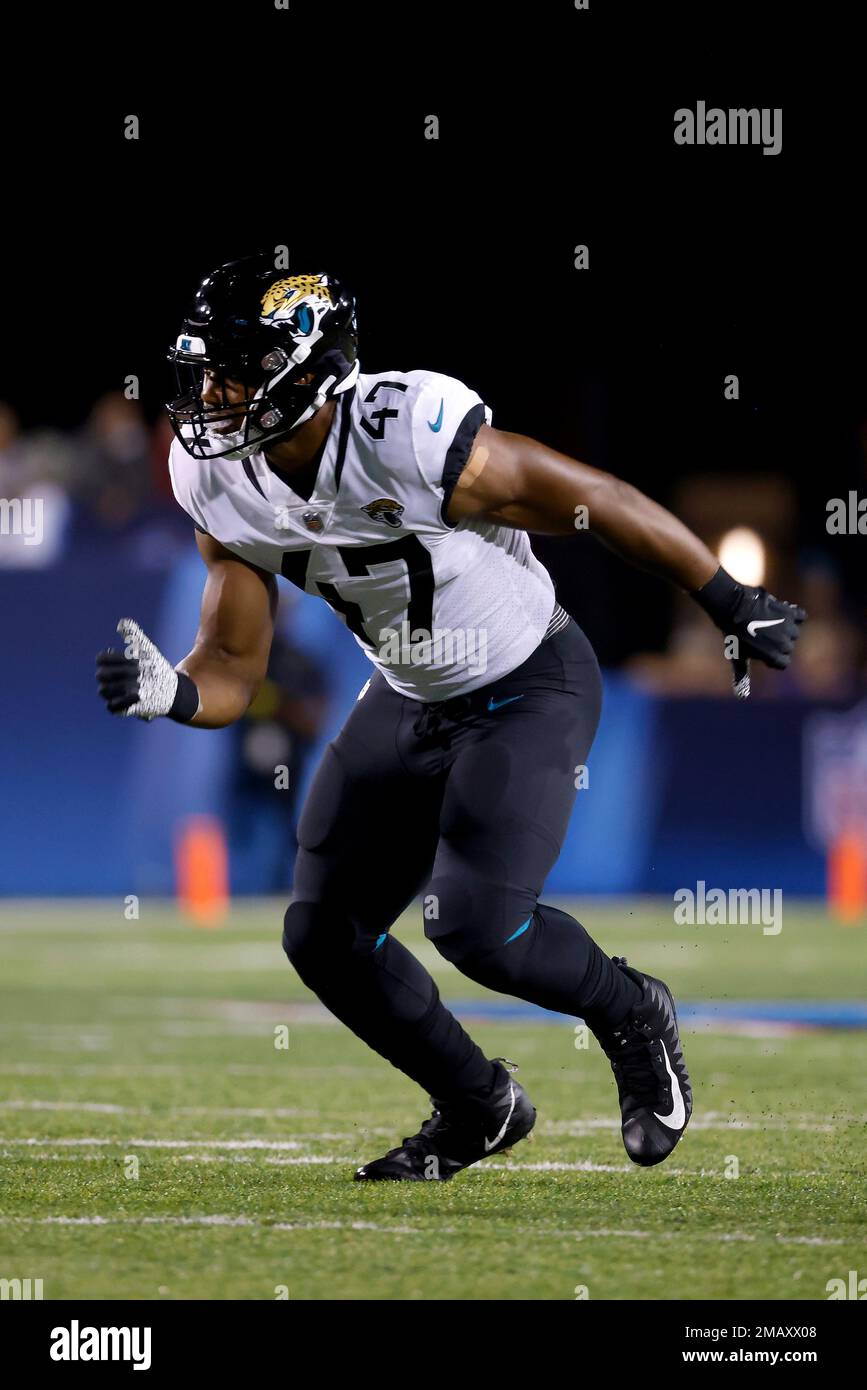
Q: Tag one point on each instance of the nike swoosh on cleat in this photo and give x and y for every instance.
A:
(496, 704)
(677, 1116)
(492, 1143)
(753, 627)
(436, 425)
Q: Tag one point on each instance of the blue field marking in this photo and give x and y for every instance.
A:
(804, 1013)
(798, 1013)
(380, 939)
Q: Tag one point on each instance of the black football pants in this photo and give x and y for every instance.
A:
(467, 803)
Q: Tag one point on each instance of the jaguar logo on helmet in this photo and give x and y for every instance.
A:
(301, 298)
(385, 509)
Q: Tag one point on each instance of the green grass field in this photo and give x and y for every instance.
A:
(156, 1144)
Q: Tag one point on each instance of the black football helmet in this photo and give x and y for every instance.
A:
(266, 329)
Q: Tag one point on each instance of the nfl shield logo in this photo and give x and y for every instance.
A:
(313, 521)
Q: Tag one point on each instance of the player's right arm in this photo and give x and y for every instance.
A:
(229, 658)
(217, 682)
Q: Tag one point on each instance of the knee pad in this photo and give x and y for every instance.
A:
(473, 929)
(450, 919)
(299, 930)
(318, 934)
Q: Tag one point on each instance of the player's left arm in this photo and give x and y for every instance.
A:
(516, 481)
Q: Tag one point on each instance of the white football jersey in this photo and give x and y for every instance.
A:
(439, 609)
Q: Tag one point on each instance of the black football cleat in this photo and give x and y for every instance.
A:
(457, 1136)
(652, 1080)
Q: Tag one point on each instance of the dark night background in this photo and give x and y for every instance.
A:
(306, 129)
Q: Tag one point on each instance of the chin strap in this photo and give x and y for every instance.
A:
(326, 391)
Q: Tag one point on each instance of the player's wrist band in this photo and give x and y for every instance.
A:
(720, 596)
(186, 701)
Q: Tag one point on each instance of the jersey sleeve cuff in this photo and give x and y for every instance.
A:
(458, 453)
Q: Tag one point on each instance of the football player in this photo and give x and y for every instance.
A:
(392, 497)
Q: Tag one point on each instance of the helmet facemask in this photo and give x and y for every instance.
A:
(255, 419)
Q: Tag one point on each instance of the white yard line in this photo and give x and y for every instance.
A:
(248, 1223)
(238, 1151)
(90, 1106)
(310, 1160)
(707, 1121)
(102, 1069)
(93, 1142)
(100, 1108)
(266, 1224)
(53, 1034)
(577, 1128)
(186, 1070)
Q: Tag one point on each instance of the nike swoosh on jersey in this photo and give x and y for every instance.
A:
(496, 704)
(437, 424)
(762, 622)
(492, 1143)
(677, 1116)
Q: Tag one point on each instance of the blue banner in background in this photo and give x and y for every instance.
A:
(677, 789)
(67, 766)
(613, 826)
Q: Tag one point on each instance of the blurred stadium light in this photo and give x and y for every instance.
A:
(742, 552)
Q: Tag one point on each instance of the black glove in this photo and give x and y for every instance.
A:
(766, 627)
(140, 682)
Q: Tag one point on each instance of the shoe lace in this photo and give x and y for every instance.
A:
(630, 1052)
(433, 1129)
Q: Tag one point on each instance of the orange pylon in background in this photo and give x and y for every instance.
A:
(847, 877)
(202, 870)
